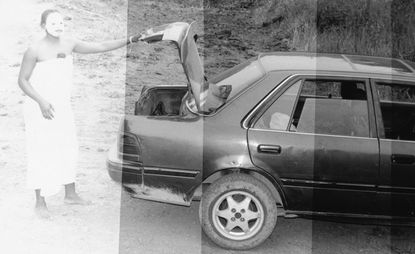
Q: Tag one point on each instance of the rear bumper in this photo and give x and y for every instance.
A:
(121, 171)
(172, 186)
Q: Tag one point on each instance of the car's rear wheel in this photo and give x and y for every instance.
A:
(238, 212)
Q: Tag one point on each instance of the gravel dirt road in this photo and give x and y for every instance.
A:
(115, 223)
(147, 227)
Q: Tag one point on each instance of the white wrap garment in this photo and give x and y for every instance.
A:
(52, 147)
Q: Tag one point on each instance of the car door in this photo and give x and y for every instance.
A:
(317, 134)
(395, 110)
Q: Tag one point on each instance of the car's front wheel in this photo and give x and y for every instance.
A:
(238, 212)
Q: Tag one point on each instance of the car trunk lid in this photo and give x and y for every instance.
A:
(206, 97)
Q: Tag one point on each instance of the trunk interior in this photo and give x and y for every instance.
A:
(160, 101)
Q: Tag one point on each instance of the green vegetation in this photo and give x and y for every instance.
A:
(367, 27)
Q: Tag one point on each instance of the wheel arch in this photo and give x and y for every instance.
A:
(273, 185)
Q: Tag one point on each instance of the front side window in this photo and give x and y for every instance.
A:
(334, 107)
(397, 104)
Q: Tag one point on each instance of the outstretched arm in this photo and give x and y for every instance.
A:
(83, 47)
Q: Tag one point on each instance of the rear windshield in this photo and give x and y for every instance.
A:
(240, 76)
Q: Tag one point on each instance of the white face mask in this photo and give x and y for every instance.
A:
(54, 24)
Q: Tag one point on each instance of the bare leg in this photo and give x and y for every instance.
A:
(41, 209)
(71, 197)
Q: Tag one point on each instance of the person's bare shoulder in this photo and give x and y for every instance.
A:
(36, 47)
(29, 61)
(32, 51)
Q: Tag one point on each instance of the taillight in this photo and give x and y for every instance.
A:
(128, 147)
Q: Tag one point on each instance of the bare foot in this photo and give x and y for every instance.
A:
(75, 200)
(42, 211)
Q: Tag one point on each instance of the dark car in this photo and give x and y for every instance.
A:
(281, 134)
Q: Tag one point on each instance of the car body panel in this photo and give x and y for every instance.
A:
(298, 61)
(320, 162)
(155, 139)
(323, 174)
(319, 167)
(160, 158)
(227, 149)
(397, 166)
(396, 183)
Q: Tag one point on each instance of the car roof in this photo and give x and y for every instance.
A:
(335, 62)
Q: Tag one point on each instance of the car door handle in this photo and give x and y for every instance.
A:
(269, 149)
(402, 159)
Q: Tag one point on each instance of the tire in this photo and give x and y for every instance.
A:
(250, 223)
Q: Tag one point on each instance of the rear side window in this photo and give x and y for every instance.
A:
(334, 107)
(278, 115)
(397, 104)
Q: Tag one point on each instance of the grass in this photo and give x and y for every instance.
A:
(368, 27)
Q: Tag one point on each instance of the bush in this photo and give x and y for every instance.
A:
(368, 27)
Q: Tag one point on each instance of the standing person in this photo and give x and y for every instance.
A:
(46, 78)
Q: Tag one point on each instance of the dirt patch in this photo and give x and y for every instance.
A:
(98, 104)
(106, 86)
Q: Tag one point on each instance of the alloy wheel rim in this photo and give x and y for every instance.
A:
(238, 215)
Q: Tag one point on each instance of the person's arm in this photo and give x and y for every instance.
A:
(26, 68)
(83, 47)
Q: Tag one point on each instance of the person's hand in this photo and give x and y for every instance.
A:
(47, 110)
